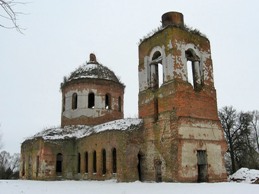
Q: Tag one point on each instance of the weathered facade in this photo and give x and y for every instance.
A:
(177, 138)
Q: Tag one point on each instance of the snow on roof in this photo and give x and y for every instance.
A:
(245, 175)
(80, 131)
(93, 70)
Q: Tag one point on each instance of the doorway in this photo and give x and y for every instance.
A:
(202, 166)
(158, 170)
(140, 158)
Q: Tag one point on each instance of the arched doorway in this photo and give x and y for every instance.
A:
(59, 160)
(140, 172)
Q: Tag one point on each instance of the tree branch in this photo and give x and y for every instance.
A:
(10, 14)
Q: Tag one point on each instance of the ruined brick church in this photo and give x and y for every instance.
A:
(177, 137)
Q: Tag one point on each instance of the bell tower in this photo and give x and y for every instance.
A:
(177, 101)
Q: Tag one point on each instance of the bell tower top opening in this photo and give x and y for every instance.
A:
(172, 18)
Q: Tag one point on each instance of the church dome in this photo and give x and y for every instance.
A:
(93, 70)
(91, 94)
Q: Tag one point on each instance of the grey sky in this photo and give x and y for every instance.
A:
(61, 34)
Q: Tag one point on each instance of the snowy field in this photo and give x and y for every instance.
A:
(111, 187)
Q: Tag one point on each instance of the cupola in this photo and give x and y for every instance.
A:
(92, 94)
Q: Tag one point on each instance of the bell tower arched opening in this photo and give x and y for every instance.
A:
(156, 71)
(194, 69)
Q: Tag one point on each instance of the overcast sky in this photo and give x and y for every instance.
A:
(60, 35)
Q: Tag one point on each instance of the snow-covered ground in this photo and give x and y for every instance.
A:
(111, 187)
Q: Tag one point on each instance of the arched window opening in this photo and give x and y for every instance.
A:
(37, 165)
(23, 167)
(194, 69)
(114, 160)
(63, 104)
(74, 101)
(59, 160)
(29, 167)
(94, 162)
(86, 162)
(156, 71)
(190, 72)
(107, 101)
(156, 111)
(119, 104)
(160, 75)
(104, 161)
(78, 163)
(91, 100)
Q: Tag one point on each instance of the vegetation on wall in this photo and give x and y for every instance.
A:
(185, 27)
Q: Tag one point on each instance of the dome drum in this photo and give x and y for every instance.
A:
(91, 95)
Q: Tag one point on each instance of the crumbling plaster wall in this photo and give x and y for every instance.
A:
(172, 44)
(127, 145)
(203, 135)
(46, 151)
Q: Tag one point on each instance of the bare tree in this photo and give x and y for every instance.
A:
(1, 143)
(9, 15)
(255, 126)
(237, 129)
(227, 117)
(9, 165)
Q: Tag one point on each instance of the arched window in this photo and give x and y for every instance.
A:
(91, 100)
(63, 103)
(59, 160)
(74, 101)
(23, 166)
(107, 101)
(119, 104)
(37, 165)
(194, 69)
(94, 162)
(86, 162)
(156, 71)
(104, 161)
(78, 163)
(114, 160)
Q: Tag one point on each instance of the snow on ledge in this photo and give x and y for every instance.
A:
(80, 131)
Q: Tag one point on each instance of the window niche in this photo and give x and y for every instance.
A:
(194, 69)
